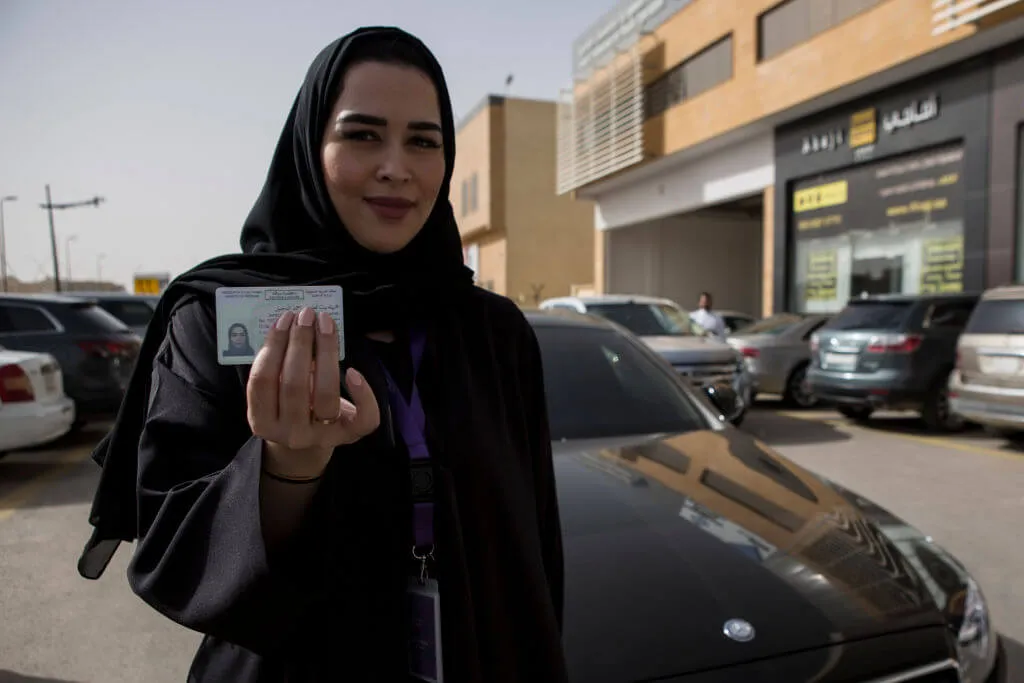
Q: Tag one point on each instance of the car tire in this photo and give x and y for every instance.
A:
(738, 420)
(856, 413)
(797, 393)
(936, 412)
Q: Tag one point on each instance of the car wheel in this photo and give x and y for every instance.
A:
(738, 420)
(856, 413)
(937, 414)
(798, 390)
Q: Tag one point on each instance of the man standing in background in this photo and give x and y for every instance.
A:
(703, 316)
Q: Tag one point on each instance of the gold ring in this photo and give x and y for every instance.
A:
(328, 421)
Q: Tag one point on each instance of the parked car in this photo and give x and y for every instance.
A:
(694, 553)
(95, 350)
(777, 351)
(34, 409)
(891, 351)
(987, 386)
(134, 310)
(735, 320)
(667, 328)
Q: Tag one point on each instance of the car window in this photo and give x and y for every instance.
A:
(133, 313)
(646, 320)
(948, 315)
(997, 316)
(87, 317)
(599, 384)
(24, 319)
(776, 324)
(871, 315)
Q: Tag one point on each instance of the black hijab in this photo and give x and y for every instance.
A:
(293, 236)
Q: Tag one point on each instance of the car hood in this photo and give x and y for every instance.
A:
(738, 341)
(668, 538)
(683, 349)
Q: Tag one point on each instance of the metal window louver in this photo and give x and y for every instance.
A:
(950, 14)
(600, 129)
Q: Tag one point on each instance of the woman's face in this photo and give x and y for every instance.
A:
(383, 154)
(239, 337)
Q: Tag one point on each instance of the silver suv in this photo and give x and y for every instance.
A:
(667, 329)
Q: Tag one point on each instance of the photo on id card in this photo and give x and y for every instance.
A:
(245, 314)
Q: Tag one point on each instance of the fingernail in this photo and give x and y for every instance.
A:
(285, 321)
(355, 378)
(306, 317)
(326, 323)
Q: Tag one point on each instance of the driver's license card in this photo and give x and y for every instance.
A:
(245, 314)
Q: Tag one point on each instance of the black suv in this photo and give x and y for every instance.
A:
(891, 351)
(96, 351)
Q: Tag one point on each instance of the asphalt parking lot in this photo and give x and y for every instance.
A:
(966, 491)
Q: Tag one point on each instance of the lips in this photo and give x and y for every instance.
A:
(390, 208)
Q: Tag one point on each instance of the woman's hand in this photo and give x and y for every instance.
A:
(294, 398)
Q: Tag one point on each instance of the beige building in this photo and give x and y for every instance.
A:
(523, 239)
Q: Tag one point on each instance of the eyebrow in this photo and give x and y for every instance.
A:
(369, 120)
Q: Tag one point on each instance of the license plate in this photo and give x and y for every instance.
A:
(840, 361)
(999, 365)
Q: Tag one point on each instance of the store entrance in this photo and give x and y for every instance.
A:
(876, 276)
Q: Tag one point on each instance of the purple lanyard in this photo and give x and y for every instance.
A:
(412, 422)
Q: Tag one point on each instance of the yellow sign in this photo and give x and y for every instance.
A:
(942, 265)
(820, 196)
(149, 285)
(822, 275)
(817, 222)
(863, 128)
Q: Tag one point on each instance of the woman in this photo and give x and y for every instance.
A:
(292, 525)
(238, 341)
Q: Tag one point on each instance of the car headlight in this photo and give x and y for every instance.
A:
(975, 642)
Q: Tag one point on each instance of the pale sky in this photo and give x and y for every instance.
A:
(171, 110)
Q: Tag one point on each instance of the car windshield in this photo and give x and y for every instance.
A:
(600, 384)
(995, 316)
(871, 315)
(777, 324)
(646, 320)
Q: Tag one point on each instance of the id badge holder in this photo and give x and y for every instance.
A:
(425, 631)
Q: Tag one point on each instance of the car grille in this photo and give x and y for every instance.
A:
(707, 373)
(939, 672)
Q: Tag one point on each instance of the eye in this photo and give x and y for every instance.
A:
(360, 135)
(424, 142)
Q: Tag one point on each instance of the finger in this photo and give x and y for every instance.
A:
(327, 375)
(367, 416)
(295, 372)
(262, 387)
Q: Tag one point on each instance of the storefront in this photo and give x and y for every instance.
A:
(885, 195)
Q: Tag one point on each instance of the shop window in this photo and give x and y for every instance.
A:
(893, 227)
(793, 22)
(710, 67)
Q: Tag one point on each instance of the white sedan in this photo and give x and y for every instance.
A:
(34, 409)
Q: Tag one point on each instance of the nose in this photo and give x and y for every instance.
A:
(393, 166)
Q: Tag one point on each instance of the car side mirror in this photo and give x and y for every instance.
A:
(725, 399)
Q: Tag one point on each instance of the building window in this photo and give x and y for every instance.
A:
(893, 227)
(796, 21)
(710, 67)
(473, 193)
(1020, 203)
(465, 198)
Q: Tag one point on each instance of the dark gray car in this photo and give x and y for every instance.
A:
(891, 351)
(96, 351)
(134, 310)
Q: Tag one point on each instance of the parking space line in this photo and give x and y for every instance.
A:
(941, 441)
(21, 495)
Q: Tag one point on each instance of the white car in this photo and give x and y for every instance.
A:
(34, 409)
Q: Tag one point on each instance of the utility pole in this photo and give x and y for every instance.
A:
(50, 206)
(3, 240)
(67, 260)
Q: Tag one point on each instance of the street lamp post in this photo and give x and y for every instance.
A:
(3, 240)
(67, 259)
(50, 206)
(99, 268)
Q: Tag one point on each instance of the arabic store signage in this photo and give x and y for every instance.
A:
(923, 186)
(863, 126)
